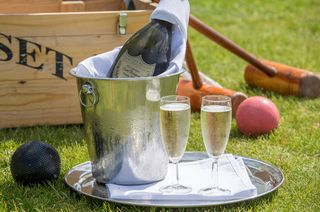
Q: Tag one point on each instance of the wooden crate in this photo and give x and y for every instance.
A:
(39, 44)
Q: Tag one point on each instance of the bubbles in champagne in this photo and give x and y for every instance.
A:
(215, 126)
(174, 125)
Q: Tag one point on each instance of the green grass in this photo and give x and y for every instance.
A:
(283, 31)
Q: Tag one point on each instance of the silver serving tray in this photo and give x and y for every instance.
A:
(266, 177)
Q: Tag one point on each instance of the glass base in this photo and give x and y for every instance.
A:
(214, 190)
(176, 188)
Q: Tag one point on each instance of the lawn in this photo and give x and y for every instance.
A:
(284, 31)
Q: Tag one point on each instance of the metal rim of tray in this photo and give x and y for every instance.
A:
(266, 177)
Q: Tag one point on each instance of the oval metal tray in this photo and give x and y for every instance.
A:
(266, 177)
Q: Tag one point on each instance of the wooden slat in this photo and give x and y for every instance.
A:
(104, 5)
(39, 102)
(72, 6)
(69, 24)
(49, 6)
(144, 4)
(29, 6)
(78, 47)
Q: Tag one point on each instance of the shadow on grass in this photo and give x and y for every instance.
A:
(257, 91)
(236, 134)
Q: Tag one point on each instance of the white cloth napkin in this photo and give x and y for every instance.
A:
(197, 175)
(173, 11)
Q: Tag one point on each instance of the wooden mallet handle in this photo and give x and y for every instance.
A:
(192, 66)
(229, 45)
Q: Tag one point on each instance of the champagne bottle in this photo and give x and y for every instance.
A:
(146, 53)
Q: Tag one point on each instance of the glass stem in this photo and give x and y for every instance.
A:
(214, 173)
(177, 173)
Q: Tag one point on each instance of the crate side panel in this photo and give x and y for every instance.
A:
(43, 64)
(37, 102)
(32, 89)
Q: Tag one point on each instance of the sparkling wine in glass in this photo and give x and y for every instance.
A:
(174, 126)
(216, 116)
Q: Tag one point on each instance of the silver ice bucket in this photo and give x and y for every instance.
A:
(122, 129)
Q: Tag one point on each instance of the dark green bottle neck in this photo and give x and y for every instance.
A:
(163, 23)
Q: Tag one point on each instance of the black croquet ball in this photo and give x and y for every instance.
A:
(35, 162)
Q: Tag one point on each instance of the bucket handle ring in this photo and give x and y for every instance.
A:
(88, 89)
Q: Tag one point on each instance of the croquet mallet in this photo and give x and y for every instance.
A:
(196, 89)
(269, 75)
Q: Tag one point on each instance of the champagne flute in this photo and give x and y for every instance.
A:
(174, 127)
(216, 119)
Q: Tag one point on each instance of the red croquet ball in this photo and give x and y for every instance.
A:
(257, 115)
